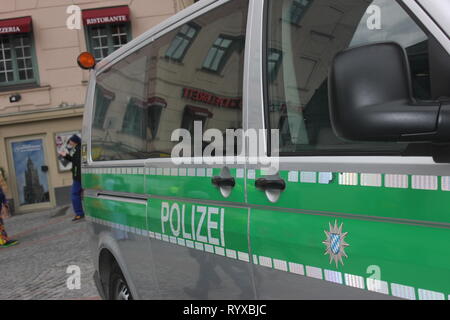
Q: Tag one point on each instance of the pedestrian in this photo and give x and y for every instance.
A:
(4, 208)
(74, 146)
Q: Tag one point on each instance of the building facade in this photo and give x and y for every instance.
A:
(42, 89)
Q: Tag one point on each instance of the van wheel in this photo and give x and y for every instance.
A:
(119, 289)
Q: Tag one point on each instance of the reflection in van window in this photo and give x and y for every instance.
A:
(142, 99)
(182, 41)
(316, 32)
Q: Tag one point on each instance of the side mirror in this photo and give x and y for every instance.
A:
(371, 98)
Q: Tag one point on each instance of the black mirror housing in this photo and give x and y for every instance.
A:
(371, 99)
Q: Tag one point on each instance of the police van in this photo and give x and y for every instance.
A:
(347, 103)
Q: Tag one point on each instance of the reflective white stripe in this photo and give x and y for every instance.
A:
(265, 262)
(201, 172)
(173, 240)
(280, 265)
(402, 291)
(377, 286)
(348, 179)
(396, 181)
(325, 177)
(199, 246)
(430, 295)
(209, 248)
(243, 256)
(181, 242)
(371, 180)
(182, 172)
(231, 254)
(354, 281)
(425, 182)
(296, 268)
(251, 174)
(293, 176)
(333, 276)
(190, 244)
(308, 177)
(314, 272)
(220, 251)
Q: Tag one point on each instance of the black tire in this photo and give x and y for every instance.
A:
(118, 286)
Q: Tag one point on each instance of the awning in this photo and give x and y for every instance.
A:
(106, 15)
(197, 111)
(157, 101)
(16, 25)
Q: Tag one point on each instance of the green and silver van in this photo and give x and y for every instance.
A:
(350, 100)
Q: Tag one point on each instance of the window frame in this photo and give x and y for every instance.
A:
(197, 29)
(148, 41)
(423, 149)
(89, 36)
(6, 86)
(234, 45)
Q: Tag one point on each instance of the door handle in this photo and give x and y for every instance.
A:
(270, 184)
(223, 182)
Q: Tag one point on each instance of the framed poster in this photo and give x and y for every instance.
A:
(61, 140)
(32, 180)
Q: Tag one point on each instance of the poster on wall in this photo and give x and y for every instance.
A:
(32, 180)
(61, 145)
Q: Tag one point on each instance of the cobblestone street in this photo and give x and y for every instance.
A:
(36, 268)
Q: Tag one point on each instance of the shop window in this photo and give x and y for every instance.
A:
(107, 30)
(105, 39)
(17, 53)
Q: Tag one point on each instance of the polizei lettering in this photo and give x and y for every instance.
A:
(194, 222)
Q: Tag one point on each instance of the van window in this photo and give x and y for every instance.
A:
(307, 34)
(193, 73)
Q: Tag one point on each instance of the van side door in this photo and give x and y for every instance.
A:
(196, 214)
(342, 219)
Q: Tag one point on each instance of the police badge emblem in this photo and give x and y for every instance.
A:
(335, 244)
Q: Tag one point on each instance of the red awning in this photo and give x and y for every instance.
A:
(198, 111)
(106, 15)
(16, 25)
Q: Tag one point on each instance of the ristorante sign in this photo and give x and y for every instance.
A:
(198, 95)
(106, 15)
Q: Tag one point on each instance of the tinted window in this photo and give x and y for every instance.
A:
(166, 86)
(313, 32)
